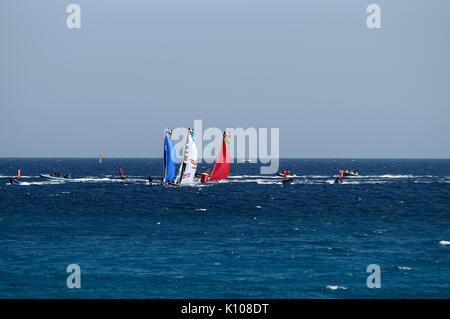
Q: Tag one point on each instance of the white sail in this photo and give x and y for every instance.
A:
(183, 162)
(191, 165)
(188, 166)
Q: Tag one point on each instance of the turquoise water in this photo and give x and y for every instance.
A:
(249, 237)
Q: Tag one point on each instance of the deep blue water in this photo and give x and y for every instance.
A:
(249, 237)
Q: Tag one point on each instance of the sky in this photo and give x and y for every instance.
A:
(311, 68)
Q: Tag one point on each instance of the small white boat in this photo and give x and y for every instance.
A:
(351, 173)
(56, 178)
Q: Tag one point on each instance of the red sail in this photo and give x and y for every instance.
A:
(222, 167)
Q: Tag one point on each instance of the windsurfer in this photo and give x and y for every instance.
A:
(16, 180)
(338, 180)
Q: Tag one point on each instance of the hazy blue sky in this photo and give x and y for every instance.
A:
(312, 68)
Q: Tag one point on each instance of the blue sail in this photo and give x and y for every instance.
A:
(170, 158)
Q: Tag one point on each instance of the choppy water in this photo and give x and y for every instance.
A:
(248, 237)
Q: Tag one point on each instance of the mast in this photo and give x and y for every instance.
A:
(166, 132)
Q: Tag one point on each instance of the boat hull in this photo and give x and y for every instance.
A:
(351, 174)
(54, 178)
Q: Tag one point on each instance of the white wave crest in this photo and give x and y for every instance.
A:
(404, 268)
(331, 287)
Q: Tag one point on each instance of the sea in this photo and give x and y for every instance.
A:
(382, 234)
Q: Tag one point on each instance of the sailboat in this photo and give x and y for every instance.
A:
(100, 158)
(16, 181)
(170, 158)
(121, 176)
(188, 166)
(221, 169)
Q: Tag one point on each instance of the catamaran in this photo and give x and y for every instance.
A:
(188, 167)
(221, 169)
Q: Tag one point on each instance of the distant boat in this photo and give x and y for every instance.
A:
(170, 158)
(351, 173)
(100, 159)
(121, 173)
(221, 169)
(288, 175)
(49, 177)
(188, 166)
